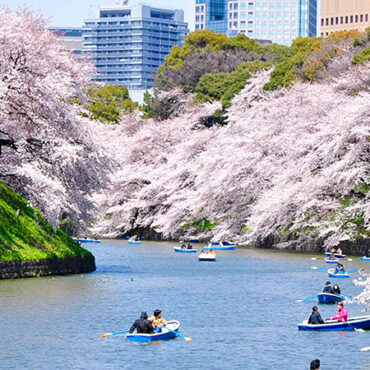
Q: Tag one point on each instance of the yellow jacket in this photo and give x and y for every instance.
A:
(157, 322)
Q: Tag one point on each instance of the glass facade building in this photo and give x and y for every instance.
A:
(211, 14)
(127, 44)
(279, 21)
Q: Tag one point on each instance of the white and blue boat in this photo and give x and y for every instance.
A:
(366, 259)
(182, 250)
(221, 248)
(332, 261)
(134, 242)
(329, 298)
(360, 322)
(164, 335)
(336, 255)
(340, 275)
(86, 240)
(208, 256)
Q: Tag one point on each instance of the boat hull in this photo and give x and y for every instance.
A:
(207, 257)
(366, 259)
(179, 250)
(361, 322)
(328, 298)
(86, 240)
(223, 248)
(164, 335)
(336, 255)
(337, 276)
(132, 242)
(328, 260)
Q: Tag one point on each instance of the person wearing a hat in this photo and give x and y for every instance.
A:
(328, 288)
(142, 325)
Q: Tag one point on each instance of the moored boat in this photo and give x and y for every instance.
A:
(366, 259)
(182, 250)
(134, 242)
(86, 240)
(359, 322)
(340, 275)
(329, 298)
(328, 260)
(208, 256)
(336, 255)
(164, 335)
(221, 248)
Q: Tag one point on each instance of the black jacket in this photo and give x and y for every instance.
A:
(315, 318)
(142, 326)
(328, 289)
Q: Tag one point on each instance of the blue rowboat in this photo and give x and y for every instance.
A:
(366, 259)
(133, 242)
(164, 335)
(222, 248)
(86, 240)
(344, 275)
(360, 322)
(329, 298)
(180, 250)
(194, 241)
(336, 255)
(328, 260)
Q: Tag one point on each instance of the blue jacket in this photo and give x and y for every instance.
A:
(328, 289)
(315, 318)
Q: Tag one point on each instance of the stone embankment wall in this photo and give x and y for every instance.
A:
(34, 268)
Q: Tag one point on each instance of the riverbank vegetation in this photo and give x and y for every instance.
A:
(25, 234)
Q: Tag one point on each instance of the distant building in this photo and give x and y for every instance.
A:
(127, 44)
(71, 36)
(212, 15)
(279, 21)
(339, 15)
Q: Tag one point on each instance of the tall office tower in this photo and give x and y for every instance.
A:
(280, 21)
(128, 43)
(211, 14)
(339, 15)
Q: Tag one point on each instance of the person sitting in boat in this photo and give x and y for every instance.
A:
(336, 289)
(342, 313)
(157, 320)
(183, 245)
(367, 254)
(142, 325)
(190, 246)
(339, 251)
(339, 269)
(315, 317)
(328, 288)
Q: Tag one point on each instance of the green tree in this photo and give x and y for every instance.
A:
(109, 102)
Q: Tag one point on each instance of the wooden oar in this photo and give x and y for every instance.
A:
(318, 268)
(104, 335)
(187, 339)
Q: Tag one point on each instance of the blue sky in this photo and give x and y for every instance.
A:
(73, 12)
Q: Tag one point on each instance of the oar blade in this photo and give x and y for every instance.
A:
(188, 339)
(365, 349)
(104, 335)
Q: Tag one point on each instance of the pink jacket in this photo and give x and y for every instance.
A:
(341, 315)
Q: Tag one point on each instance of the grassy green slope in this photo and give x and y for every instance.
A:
(26, 235)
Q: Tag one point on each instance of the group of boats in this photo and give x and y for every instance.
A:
(208, 253)
(358, 323)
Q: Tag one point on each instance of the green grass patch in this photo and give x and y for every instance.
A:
(26, 235)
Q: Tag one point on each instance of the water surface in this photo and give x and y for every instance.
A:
(240, 312)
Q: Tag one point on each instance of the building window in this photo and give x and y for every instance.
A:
(197, 9)
(351, 18)
(336, 20)
(346, 19)
(327, 21)
(366, 17)
(322, 21)
(356, 18)
(197, 26)
(242, 15)
(341, 20)
(331, 21)
(236, 15)
(235, 6)
(361, 18)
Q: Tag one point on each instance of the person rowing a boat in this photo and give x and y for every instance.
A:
(339, 251)
(315, 317)
(142, 325)
(342, 313)
(339, 269)
(328, 288)
(190, 246)
(157, 321)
